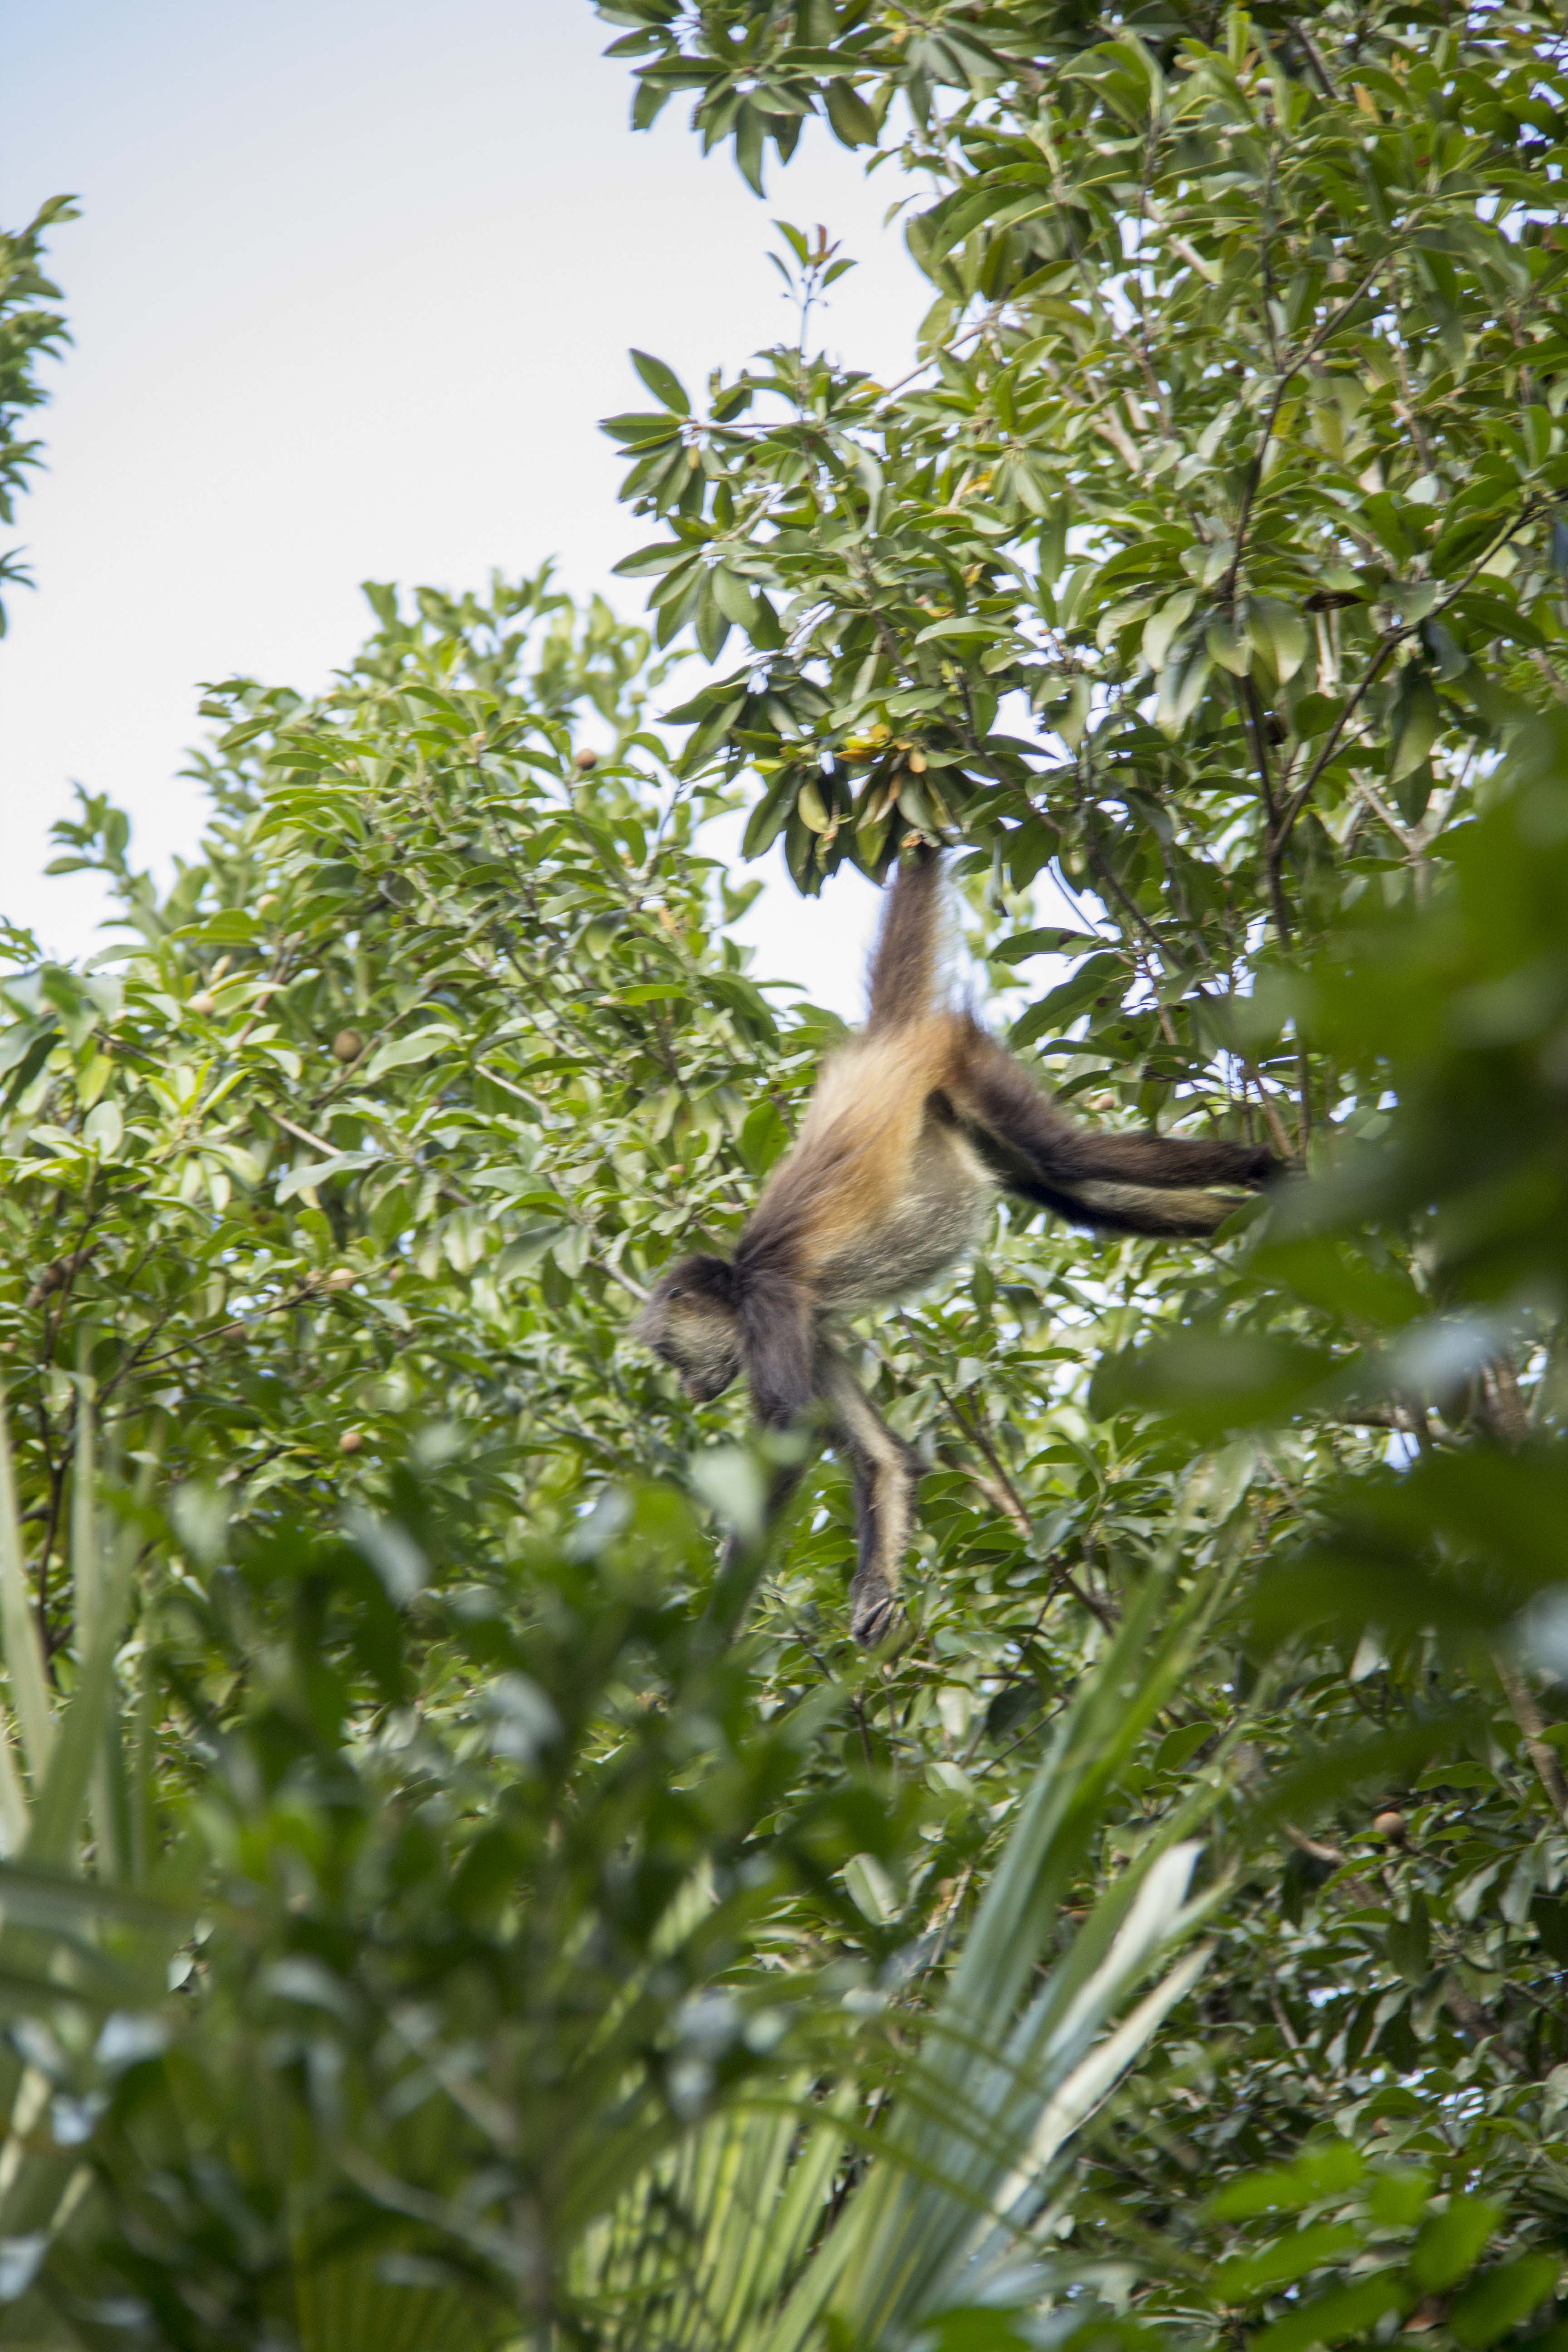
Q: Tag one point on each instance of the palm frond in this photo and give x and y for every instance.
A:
(53, 1963)
(779, 2223)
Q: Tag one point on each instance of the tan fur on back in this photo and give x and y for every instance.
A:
(859, 1134)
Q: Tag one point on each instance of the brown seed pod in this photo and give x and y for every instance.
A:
(1391, 1825)
(348, 1045)
(584, 760)
(341, 1278)
(233, 1331)
(351, 1441)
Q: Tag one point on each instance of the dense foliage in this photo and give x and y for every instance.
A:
(30, 330)
(1211, 555)
(589, 1947)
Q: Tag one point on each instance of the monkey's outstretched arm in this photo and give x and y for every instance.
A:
(885, 1471)
(1113, 1182)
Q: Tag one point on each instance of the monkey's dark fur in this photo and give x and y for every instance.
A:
(914, 1124)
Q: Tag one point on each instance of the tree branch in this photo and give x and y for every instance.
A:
(1527, 1714)
(1226, 592)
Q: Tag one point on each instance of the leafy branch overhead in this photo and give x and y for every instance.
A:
(31, 330)
(1214, 547)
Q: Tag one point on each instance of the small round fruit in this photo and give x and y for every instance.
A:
(341, 1278)
(351, 1441)
(348, 1045)
(268, 904)
(1391, 1825)
(234, 1331)
(205, 1003)
(584, 760)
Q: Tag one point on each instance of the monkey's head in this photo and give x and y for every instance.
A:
(690, 1323)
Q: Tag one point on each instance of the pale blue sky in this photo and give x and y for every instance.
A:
(345, 270)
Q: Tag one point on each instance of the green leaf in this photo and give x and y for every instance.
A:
(1229, 645)
(406, 1051)
(971, 625)
(104, 1128)
(60, 1798)
(1179, 1746)
(1182, 684)
(1050, 940)
(1501, 2298)
(870, 1889)
(1247, 2277)
(642, 431)
(1161, 626)
(1397, 2198)
(854, 124)
(1334, 2318)
(1410, 1942)
(1418, 717)
(662, 381)
(1279, 633)
(1322, 2170)
(1099, 975)
(661, 557)
(1451, 2242)
(25, 1664)
(305, 1179)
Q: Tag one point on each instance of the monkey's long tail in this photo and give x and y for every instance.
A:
(1109, 1208)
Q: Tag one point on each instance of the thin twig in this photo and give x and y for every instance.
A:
(1321, 73)
(1392, 639)
(1481, 2025)
(1292, 2041)
(1330, 326)
(1361, 1889)
(315, 1141)
(1527, 1714)
(1014, 1504)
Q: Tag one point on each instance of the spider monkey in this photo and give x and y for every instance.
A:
(915, 1124)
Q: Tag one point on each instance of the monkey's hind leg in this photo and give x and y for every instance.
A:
(884, 1471)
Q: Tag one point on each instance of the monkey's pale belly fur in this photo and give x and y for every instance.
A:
(924, 1233)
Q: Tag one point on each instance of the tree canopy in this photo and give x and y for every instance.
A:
(573, 1941)
(30, 331)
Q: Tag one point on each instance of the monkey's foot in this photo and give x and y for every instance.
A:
(873, 1612)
